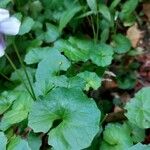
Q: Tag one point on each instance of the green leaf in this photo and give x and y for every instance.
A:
(52, 33)
(92, 80)
(121, 44)
(34, 141)
(4, 3)
(35, 8)
(3, 141)
(47, 71)
(140, 146)
(43, 87)
(86, 14)
(19, 110)
(76, 115)
(18, 144)
(6, 100)
(103, 9)
(102, 55)
(114, 4)
(26, 25)
(127, 80)
(128, 9)
(68, 15)
(138, 109)
(137, 134)
(82, 43)
(51, 65)
(76, 49)
(23, 44)
(104, 35)
(116, 133)
(76, 82)
(93, 5)
(116, 137)
(35, 55)
(106, 146)
(15, 77)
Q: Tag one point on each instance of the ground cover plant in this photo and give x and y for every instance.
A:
(74, 75)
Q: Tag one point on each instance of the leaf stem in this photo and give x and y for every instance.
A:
(97, 27)
(93, 28)
(15, 69)
(24, 68)
(97, 22)
(4, 76)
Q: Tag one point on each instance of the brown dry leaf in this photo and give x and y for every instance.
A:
(146, 10)
(134, 34)
(125, 97)
(110, 84)
(118, 109)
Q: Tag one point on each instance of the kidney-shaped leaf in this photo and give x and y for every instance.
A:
(19, 110)
(76, 49)
(91, 79)
(102, 55)
(35, 55)
(51, 64)
(76, 115)
(138, 109)
(116, 137)
(122, 44)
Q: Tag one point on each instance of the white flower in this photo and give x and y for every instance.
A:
(9, 26)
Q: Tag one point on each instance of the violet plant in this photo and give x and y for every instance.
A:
(8, 26)
(56, 98)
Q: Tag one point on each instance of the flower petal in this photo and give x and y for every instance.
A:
(4, 14)
(2, 45)
(10, 26)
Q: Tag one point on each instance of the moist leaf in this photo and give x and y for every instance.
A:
(91, 79)
(78, 119)
(35, 55)
(121, 44)
(102, 55)
(51, 65)
(138, 109)
(116, 137)
(19, 110)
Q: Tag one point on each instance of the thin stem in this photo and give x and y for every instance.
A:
(97, 27)
(15, 69)
(24, 68)
(97, 23)
(4, 76)
(93, 27)
(103, 120)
